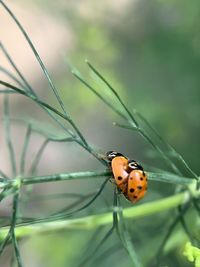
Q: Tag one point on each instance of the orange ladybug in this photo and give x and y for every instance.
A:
(129, 176)
(119, 165)
(137, 182)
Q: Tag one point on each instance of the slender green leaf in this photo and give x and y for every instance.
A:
(24, 150)
(12, 229)
(8, 136)
(114, 92)
(169, 178)
(44, 69)
(171, 149)
(11, 76)
(26, 84)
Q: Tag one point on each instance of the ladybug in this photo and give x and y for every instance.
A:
(129, 176)
(137, 182)
(119, 166)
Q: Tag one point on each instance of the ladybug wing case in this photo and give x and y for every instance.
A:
(119, 166)
(137, 185)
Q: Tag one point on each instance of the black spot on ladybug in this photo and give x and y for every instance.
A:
(135, 196)
(132, 190)
(141, 178)
(119, 178)
(131, 178)
(139, 187)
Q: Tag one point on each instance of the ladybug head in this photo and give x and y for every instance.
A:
(133, 165)
(112, 154)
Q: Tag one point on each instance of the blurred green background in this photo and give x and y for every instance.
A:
(150, 52)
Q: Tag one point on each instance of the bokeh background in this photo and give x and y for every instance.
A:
(150, 53)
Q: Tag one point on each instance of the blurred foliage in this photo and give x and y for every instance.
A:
(149, 51)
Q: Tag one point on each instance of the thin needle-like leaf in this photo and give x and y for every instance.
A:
(157, 148)
(169, 232)
(44, 69)
(114, 92)
(184, 225)
(6, 192)
(11, 232)
(12, 63)
(94, 251)
(171, 149)
(82, 140)
(168, 177)
(6, 91)
(73, 205)
(37, 158)
(24, 150)
(50, 108)
(8, 136)
(5, 242)
(67, 214)
(126, 237)
(131, 119)
(154, 145)
(11, 76)
(108, 103)
(12, 229)
(64, 215)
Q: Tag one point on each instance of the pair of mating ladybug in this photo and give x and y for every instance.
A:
(129, 176)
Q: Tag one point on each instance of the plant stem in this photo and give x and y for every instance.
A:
(93, 221)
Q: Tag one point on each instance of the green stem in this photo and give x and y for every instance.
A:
(94, 221)
(63, 177)
(161, 177)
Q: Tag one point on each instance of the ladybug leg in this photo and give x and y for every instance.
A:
(122, 182)
(122, 187)
(119, 192)
(112, 180)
